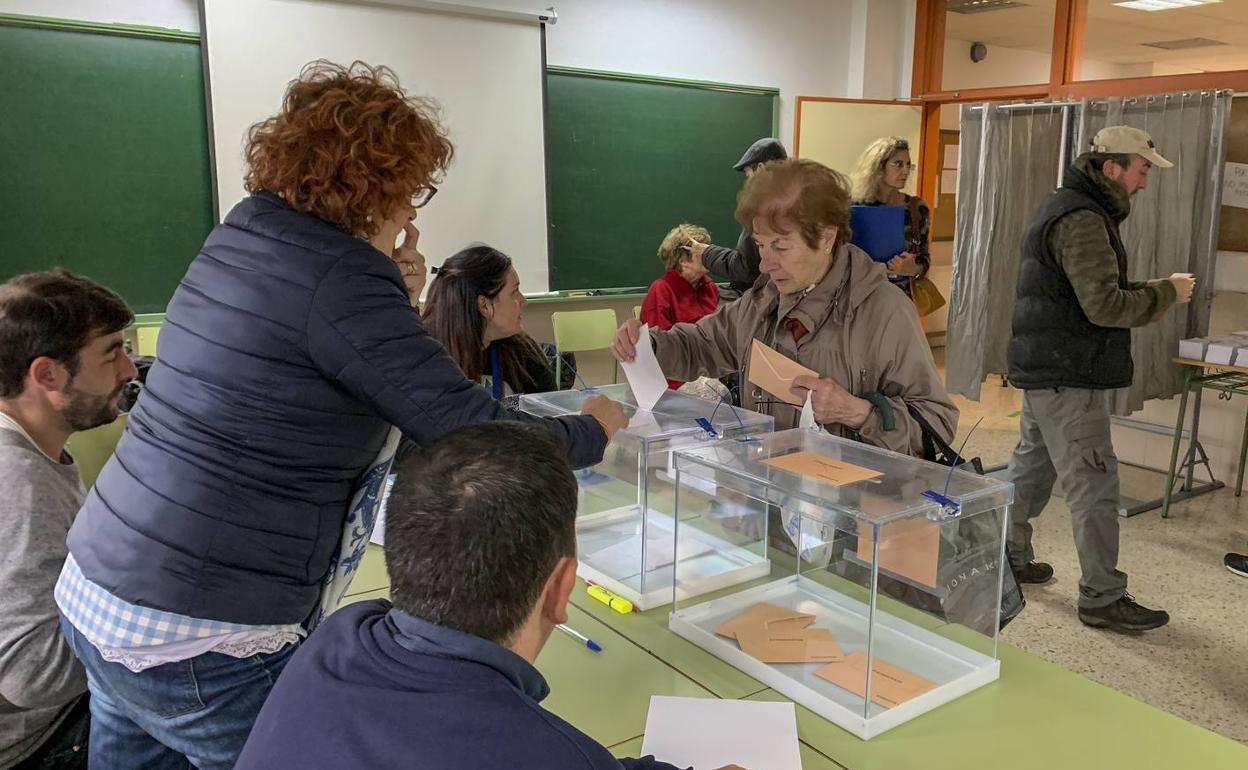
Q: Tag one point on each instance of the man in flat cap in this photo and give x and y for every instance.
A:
(1071, 344)
(740, 265)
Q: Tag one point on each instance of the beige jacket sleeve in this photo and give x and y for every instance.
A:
(707, 348)
(907, 375)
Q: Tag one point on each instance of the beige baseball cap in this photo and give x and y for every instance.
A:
(1124, 140)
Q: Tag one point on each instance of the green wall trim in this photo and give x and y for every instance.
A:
(707, 84)
(100, 28)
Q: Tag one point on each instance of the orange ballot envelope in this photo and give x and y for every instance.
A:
(774, 372)
(826, 469)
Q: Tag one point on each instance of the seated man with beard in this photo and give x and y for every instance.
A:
(62, 368)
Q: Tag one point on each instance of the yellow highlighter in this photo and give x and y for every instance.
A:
(617, 603)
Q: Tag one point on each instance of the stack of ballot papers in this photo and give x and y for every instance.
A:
(890, 685)
(1231, 350)
(1228, 350)
(774, 634)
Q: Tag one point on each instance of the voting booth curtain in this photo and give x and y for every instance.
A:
(1010, 160)
(1007, 163)
(1173, 225)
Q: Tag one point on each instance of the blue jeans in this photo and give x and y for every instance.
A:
(195, 712)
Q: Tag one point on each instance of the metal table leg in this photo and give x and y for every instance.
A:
(1190, 476)
(1243, 455)
(1178, 438)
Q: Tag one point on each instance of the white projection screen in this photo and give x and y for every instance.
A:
(485, 70)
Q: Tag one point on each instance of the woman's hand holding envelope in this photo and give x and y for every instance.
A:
(831, 402)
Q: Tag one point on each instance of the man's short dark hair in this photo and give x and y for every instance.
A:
(1122, 159)
(53, 313)
(475, 525)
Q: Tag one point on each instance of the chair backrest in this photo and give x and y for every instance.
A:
(92, 448)
(145, 340)
(584, 329)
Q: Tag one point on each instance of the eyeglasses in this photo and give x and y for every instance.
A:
(422, 196)
(901, 165)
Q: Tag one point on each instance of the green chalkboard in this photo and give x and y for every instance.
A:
(629, 158)
(105, 155)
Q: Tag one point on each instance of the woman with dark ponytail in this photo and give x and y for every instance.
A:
(475, 310)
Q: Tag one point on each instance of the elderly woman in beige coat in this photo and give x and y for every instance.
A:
(823, 303)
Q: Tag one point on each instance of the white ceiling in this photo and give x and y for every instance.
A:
(1115, 34)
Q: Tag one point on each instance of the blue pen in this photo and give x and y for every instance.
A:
(590, 643)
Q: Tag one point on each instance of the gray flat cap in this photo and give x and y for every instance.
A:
(762, 151)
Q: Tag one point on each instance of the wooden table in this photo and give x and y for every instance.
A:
(1200, 376)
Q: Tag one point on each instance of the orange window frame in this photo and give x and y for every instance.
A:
(1069, 27)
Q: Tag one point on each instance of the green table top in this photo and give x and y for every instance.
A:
(811, 759)
(1038, 715)
(606, 695)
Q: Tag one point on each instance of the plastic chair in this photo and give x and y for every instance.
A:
(583, 330)
(145, 340)
(92, 448)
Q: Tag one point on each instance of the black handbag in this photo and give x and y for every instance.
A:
(937, 450)
(972, 543)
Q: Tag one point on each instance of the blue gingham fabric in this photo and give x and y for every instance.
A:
(108, 621)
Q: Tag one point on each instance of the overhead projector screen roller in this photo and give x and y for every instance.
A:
(485, 72)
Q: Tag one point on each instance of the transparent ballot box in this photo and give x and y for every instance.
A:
(885, 593)
(626, 534)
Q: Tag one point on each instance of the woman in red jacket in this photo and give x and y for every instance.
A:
(685, 293)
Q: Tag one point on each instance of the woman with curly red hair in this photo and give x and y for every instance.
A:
(241, 495)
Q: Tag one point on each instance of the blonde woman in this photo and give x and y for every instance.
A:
(882, 173)
(685, 293)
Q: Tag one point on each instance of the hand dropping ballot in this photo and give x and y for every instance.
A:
(644, 374)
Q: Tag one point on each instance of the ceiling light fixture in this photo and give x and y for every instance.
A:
(1184, 44)
(1163, 5)
(980, 6)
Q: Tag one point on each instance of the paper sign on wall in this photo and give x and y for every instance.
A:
(948, 182)
(1235, 185)
(951, 156)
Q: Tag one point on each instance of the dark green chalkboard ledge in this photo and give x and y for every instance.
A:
(76, 25)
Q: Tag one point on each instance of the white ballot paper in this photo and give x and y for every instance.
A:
(710, 733)
(644, 375)
(807, 418)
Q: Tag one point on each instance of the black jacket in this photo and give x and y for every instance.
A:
(288, 351)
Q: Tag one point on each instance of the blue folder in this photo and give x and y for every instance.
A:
(878, 230)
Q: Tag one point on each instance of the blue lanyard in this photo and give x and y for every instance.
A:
(497, 380)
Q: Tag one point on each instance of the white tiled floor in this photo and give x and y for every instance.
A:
(1195, 668)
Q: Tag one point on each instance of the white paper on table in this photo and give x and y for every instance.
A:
(712, 732)
(644, 374)
(1235, 185)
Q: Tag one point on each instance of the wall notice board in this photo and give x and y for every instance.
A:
(631, 157)
(1233, 221)
(106, 168)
